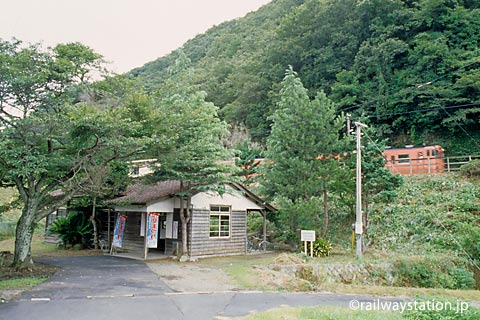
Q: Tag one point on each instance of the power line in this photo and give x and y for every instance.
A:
(424, 110)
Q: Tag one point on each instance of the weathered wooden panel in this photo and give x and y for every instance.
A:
(132, 241)
(201, 244)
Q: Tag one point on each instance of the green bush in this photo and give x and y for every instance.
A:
(463, 278)
(443, 310)
(471, 169)
(471, 242)
(322, 248)
(432, 273)
(74, 229)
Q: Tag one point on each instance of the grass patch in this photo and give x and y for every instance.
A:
(242, 268)
(246, 272)
(327, 312)
(21, 283)
(464, 295)
(39, 246)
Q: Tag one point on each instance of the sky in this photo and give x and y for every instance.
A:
(128, 33)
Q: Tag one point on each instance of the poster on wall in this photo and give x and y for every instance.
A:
(119, 231)
(152, 230)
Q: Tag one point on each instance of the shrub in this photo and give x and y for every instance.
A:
(471, 169)
(471, 242)
(463, 278)
(444, 310)
(432, 273)
(74, 229)
(322, 248)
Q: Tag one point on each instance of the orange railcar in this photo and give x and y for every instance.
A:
(415, 160)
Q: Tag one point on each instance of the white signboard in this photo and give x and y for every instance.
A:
(307, 235)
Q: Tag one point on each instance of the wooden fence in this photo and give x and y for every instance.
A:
(408, 166)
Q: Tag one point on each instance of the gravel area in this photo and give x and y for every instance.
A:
(188, 277)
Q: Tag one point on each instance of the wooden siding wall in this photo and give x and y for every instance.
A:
(132, 242)
(201, 244)
(102, 217)
(171, 245)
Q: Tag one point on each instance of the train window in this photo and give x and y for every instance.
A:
(434, 153)
(428, 153)
(392, 160)
(403, 158)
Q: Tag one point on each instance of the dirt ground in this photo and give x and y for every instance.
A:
(189, 277)
(39, 270)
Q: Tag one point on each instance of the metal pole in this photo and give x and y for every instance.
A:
(359, 219)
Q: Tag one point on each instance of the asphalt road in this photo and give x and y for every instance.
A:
(104, 287)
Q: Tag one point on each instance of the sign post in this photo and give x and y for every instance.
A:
(308, 236)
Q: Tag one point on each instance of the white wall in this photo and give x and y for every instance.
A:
(234, 198)
(165, 205)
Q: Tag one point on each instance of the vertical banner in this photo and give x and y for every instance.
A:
(152, 230)
(119, 231)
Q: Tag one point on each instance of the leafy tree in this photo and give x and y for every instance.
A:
(300, 164)
(49, 135)
(192, 154)
(102, 181)
(247, 161)
(373, 57)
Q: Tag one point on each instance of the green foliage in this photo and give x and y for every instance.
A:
(245, 160)
(302, 130)
(322, 247)
(471, 242)
(432, 273)
(55, 136)
(411, 66)
(74, 229)
(440, 309)
(431, 214)
(471, 169)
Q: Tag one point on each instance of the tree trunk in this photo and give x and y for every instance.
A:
(325, 212)
(184, 228)
(94, 223)
(184, 222)
(22, 258)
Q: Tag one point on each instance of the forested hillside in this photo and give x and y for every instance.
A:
(412, 66)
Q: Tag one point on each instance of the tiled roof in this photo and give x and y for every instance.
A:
(141, 194)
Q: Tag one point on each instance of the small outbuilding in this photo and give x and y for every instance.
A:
(148, 221)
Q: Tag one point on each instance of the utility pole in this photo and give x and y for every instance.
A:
(359, 218)
(349, 129)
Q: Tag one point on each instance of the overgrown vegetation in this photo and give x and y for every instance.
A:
(429, 272)
(410, 66)
(433, 216)
(471, 169)
(322, 248)
(74, 229)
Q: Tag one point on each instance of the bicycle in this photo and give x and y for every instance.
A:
(256, 244)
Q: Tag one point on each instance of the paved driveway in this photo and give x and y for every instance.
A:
(97, 276)
(104, 287)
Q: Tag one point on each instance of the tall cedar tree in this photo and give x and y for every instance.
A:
(300, 166)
